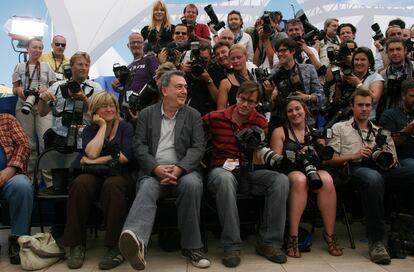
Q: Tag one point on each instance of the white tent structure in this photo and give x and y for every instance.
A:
(95, 25)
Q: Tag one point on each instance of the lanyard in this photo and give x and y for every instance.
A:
(27, 73)
(370, 130)
(296, 138)
(57, 67)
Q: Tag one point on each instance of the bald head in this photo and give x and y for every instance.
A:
(227, 35)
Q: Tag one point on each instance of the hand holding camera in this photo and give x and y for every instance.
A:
(47, 97)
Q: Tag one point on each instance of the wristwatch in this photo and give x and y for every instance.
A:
(209, 81)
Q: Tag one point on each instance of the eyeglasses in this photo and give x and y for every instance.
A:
(180, 33)
(60, 44)
(250, 102)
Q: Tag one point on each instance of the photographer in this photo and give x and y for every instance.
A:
(56, 58)
(304, 53)
(222, 126)
(159, 32)
(346, 32)
(107, 145)
(331, 39)
(266, 33)
(30, 79)
(175, 51)
(400, 120)
(369, 156)
(196, 31)
(235, 24)
(69, 99)
(399, 69)
(296, 137)
(202, 92)
(141, 71)
(219, 69)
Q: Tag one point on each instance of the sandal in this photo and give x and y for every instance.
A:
(292, 249)
(334, 248)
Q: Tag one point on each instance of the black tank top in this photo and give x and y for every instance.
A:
(231, 97)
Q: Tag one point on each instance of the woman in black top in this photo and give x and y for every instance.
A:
(229, 86)
(159, 32)
(106, 167)
(291, 138)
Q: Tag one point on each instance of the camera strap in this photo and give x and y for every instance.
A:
(370, 130)
(296, 138)
(30, 77)
(60, 64)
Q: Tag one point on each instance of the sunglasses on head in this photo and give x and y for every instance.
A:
(60, 44)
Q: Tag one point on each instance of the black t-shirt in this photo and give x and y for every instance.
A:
(396, 119)
(199, 96)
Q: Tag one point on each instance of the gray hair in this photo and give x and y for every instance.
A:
(165, 79)
(328, 22)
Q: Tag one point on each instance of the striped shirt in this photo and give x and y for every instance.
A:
(222, 130)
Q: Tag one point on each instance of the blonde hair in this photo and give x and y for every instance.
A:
(238, 46)
(99, 99)
(166, 22)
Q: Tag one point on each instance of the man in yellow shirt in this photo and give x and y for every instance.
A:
(56, 58)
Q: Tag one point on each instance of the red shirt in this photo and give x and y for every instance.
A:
(14, 141)
(202, 30)
(221, 128)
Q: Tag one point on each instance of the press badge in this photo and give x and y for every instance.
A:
(231, 164)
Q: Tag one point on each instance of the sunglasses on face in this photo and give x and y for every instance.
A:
(180, 33)
(60, 44)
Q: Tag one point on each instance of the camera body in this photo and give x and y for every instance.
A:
(198, 64)
(121, 72)
(261, 74)
(172, 46)
(32, 96)
(267, 27)
(287, 82)
(381, 157)
(308, 159)
(310, 30)
(111, 168)
(213, 18)
(73, 119)
(147, 96)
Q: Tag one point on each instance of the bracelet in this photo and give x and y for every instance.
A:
(309, 98)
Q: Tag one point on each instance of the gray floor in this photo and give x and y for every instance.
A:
(318, 260)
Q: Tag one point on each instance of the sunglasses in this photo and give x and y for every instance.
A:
(60, 44)
(180, 33)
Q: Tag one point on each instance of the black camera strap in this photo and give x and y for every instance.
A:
(298, 143)
(370, 130)
(30, 77)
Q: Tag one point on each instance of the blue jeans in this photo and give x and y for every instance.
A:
(371, 184)
(273, 185)
(188, 190)
(18, 192)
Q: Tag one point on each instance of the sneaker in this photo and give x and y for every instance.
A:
(271, 253)
(379, 253)
(111, 259)
(231, 258)
(196, 257)
(14, 249)
(133, 249)
(76, 257)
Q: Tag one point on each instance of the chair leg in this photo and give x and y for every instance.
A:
(40, 216)
(348, 227)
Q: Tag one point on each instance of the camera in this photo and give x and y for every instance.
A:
(287, 82)
(32, 96)
(73, 119)
(339, 57)
(67, 71)
(378, 33)
(110, 168)
(213, 18)
(198, 64)
(147, 96)
(401, 235)
(347, 70)
(381, 157)
(261, 74)
(310, 30)
(121, 72)
(267, 27)
(172, 46)
(254, 140)
(308, 159)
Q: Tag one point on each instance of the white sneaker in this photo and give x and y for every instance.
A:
(133, 249)
(196, 257)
